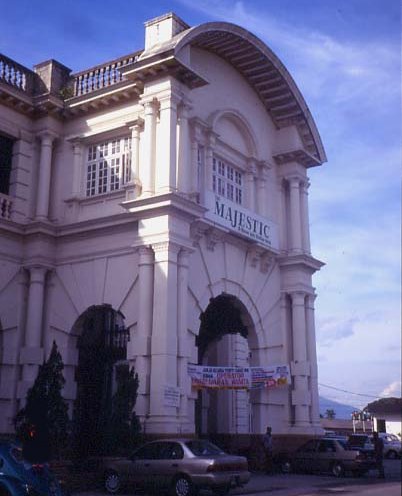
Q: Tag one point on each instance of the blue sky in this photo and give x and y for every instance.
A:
(345, 57)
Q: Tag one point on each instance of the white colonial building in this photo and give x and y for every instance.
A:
(161, 196)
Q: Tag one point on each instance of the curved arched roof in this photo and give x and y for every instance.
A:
(261, 68)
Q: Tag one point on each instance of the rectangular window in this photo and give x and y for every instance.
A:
(6, 155)
(108, 166)
(226, 181)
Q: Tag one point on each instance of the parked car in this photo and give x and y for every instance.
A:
(181, 465)
(361, 442)
(392, 445)
(327, 455)
(19, 477)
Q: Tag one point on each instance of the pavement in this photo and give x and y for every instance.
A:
(301, 484)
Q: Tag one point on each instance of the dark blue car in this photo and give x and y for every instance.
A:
(19, 477)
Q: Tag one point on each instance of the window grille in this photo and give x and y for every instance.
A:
(108, 166)
(226, 181)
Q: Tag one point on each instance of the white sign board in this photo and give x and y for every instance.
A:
(240, 220)
(171, 396)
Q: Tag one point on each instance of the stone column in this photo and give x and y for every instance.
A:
(209, 155)
(250, 189)
(32, 353)
(183, 351)
(301, 397)
(45, 164)
(147, 168)
(184, 169)
(198, 164)
(295, 218)
(135, 151)
(165, 171)
(77, 167)
(262, 200)
(144, 327)
(287, 346)
(305, 216)
(164, 336)
(312, 357)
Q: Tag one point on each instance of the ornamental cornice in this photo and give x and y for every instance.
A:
(298, 289)
(302, 261)
(166, 203)
(299, 156)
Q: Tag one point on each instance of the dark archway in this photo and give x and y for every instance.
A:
(101, 343)
(224, 315)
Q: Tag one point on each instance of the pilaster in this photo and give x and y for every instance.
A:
(32, 354)
(165, 171)
(184, 169)
(45, 163)
(301, 396)
(147, 167)
(142, 341)
(164, 335)
(250, 185)
(305, 216)
(295, 216)
(312, 357)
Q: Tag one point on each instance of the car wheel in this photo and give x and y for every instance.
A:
(112, 482)
(286, 467)
(4, 491)
(337, 469)
(182, 486)
(391, 454)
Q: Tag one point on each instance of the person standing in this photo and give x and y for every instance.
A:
(267, 443)
(379, 454)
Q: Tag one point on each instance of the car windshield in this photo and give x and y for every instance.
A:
(203, 448)
(342, 443)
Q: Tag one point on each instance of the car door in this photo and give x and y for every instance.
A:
(159, 467)
(325, 455)
(140, 469)
(305, 456)
(169, 462)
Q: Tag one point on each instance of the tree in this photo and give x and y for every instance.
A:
(43, 423)
(123, 427)
(330, 413)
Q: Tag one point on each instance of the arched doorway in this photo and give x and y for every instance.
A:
(102, 342)
(222, 341)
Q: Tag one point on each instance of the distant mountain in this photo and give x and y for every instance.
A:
(341, 410)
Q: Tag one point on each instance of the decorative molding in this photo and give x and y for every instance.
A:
(213, 236)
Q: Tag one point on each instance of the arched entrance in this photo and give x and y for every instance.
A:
(102, 342)
(222, 341)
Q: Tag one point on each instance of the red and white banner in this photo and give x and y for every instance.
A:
(205, 376)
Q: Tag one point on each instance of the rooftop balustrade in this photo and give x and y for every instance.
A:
(101, 76)
(81, 83)
(16, 75)
(6, 203)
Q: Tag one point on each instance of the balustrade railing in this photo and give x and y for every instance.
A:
(101, 76)
(16, 75)
(6, 203)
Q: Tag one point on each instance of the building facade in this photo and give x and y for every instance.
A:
(154, 210)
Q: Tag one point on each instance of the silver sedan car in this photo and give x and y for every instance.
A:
(180, 465)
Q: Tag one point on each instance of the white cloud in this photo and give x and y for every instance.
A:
(333, 329)
(393, 389)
